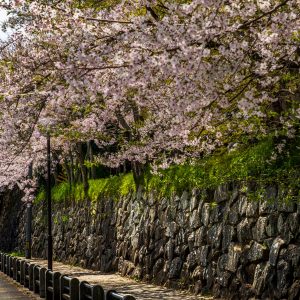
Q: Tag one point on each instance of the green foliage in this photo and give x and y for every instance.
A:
(41, 196)
(213, 204)
(65, 218)
(114, 186)
(97, 4)
(249, 164)
(17, 254)
(61, 192)
(55, 220)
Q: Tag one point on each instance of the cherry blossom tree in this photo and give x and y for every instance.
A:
(161, 81)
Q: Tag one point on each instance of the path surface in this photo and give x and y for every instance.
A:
(124, 285)
(11, 291)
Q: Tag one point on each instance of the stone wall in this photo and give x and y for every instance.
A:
(213, 241)
(11, 212)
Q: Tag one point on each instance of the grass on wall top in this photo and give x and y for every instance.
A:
(115, 187)
(247, 164)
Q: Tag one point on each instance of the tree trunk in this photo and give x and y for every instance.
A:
(138, 174)
(72, 168)
(90, 153)
(83, 168)
(68, 171)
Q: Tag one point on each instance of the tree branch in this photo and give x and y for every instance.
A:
(248, 23)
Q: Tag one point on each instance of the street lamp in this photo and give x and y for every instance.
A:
(28, 228)
(50, 246)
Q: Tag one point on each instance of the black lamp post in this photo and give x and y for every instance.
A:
(50, 246)
(28, 230)
(28, 222)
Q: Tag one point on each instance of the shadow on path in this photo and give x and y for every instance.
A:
(10, 291)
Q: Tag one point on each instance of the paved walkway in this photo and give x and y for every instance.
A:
(124, 285)
(9, 290)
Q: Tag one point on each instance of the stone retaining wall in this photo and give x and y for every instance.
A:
(11, 212)
(214, 241)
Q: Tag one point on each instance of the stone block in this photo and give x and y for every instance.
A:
(242, 205)
(275, 249)
(195, 220)
(283, 226)
(233, 257)
(194, 201)
(233, 217)
(221, 193)
(205, 214)
(271, 228)
(223, 278)
(228, 235)
(244, 232)
(293, 221)
(234, 194)
(203, 257)
(283, 278)
(222, 262)
(191, 241)
(214, 235)
(259, 232)
(208, 275)
(217, 213)
(170, 248)
(257, 252)
(200, 236)
(193, 259)
(175, 268)
(252, 209)
(171, 229)
(293, 257)
(263, 276)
